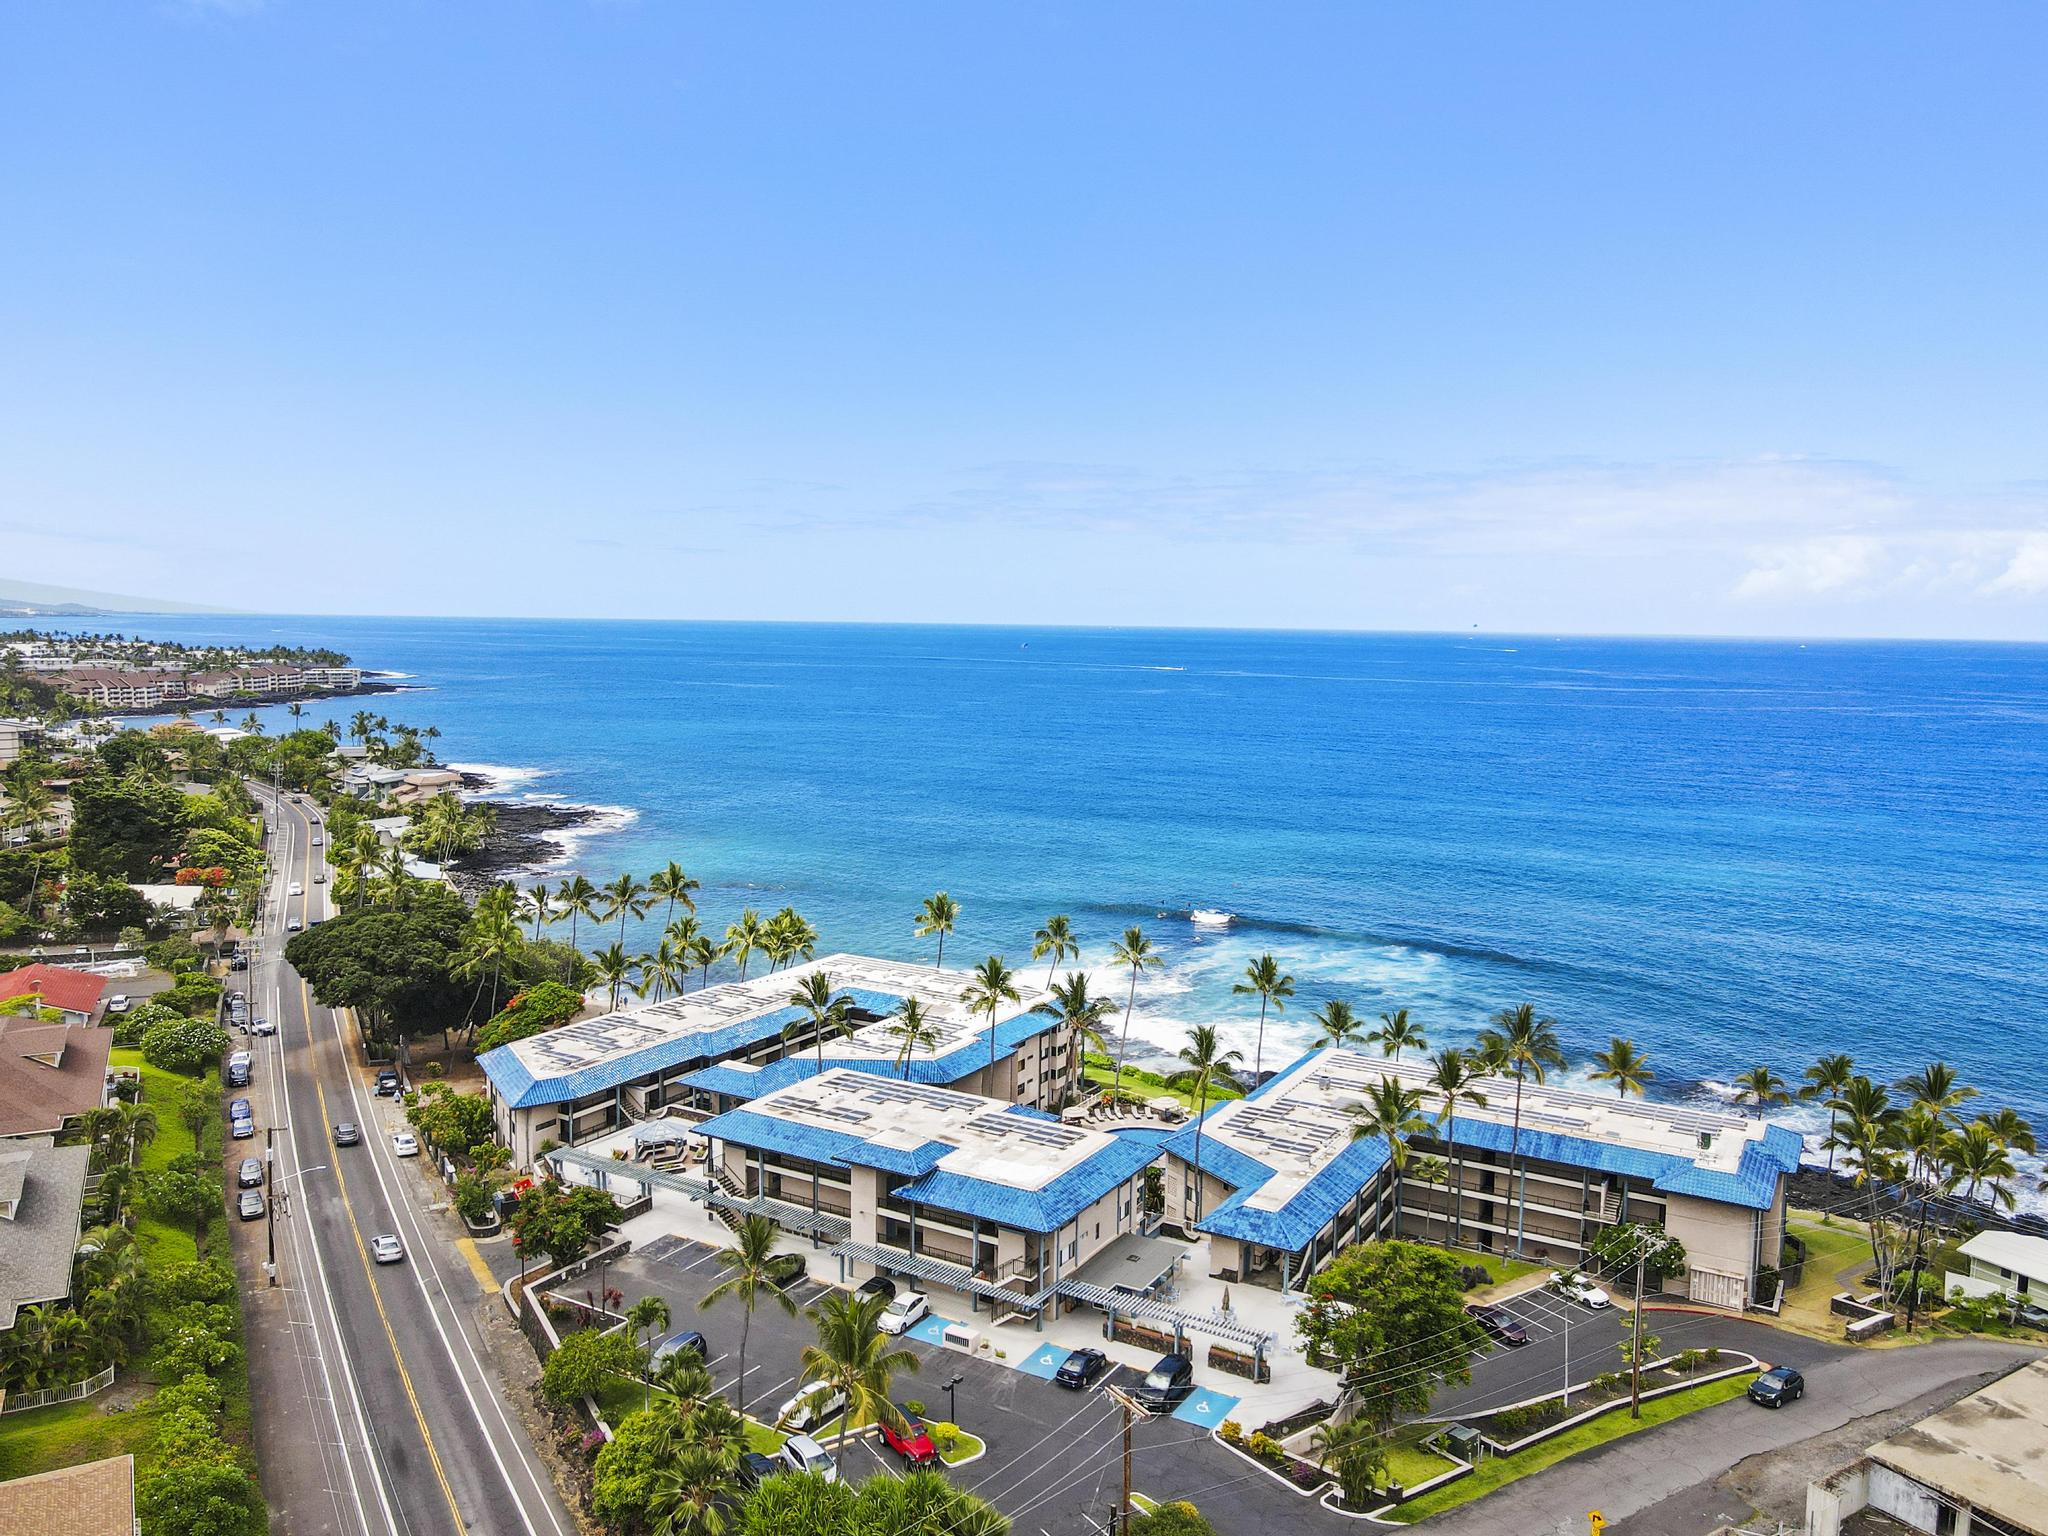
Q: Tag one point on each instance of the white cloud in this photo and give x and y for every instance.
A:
(2027, 572)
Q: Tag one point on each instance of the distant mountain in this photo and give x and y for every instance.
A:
(35, 599)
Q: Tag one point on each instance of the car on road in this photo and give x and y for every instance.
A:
(1777, 1387)
(321, 878)
(241, 1129)
(405, 1144)
(251, 1205)
(387, 1083)
(1167, 1384)
(1500, 1325)
(295, 889)
(675, 1344)
(262, 1027)
(346, 1134)
(1573, 1286)
(912, 1442)
(387, 1249)
(881, 1286)
(753, 1467)
(319, 842)
(249, 1175)
(239, 963)
(902, 1311)
(1080, 1369)
(238, 1109)
(2028, 1315)
(295, 926)
(119, 1003)
(800, 1453)
(810, 1409)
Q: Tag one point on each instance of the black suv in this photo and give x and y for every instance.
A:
(1167, 1385)
(1777, 1387)
(1499, 1325)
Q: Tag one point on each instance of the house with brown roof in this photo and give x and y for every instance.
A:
(49, 1073)
(76, 994)
(42, 1191)
(94, 1498)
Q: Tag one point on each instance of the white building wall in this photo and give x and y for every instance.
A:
(1903, 1499)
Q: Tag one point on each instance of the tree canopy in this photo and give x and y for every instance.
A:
(394, 966)
(128, 825)
(561, 1220)
(1391, 1316)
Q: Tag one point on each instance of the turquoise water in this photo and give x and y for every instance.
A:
(1730, 851)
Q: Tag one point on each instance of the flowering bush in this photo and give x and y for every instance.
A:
(213, 876)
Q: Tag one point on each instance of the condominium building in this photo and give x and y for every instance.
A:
(123, 688)
(1283, 1184)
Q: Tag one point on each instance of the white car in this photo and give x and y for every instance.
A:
(386, 1249)
(405, 1144)
(810, 1409)
(119, 1003)
(295, 889)
(1574, 1286)
(801, 1454)
(294, 926)
(902, 1311)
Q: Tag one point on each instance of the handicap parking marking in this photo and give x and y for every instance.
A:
(1045, 1361)
(1201, 1406)
(929, 1329)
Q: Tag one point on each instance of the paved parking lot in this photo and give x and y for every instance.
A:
(1054, 1461)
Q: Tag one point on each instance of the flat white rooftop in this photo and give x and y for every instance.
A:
(716, 1013)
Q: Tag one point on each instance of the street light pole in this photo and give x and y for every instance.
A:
(952, 1406)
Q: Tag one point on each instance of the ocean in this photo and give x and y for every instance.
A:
(1732, 852)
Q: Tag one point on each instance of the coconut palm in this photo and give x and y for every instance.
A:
(1762, 1087)
(1937, 1086)
(824, 1011)
(992, 985)
(1453, 1075)
(747, 1280)
(854, 1355)
(1205, 1066)
(625, 897)
(1073, 1007)
(647, 1315)
(1394, 1111)
(666, 970)
(1622, 1065)
(914, 1028)
(1980, 1159)
(1136, 951)
(1522, 1046)
(539, 906)
(1055, 939)
(671, 884)
(703, 954)
(937, 916)
(1263, 977)
(1397, 1033)
(577, 898)
(1338, 1026)
(2010, 1128)
(614, 970)
(1825, 1079)
(744, 937)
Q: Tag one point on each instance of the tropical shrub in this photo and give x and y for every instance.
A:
(585, 1361)
(187, 1046)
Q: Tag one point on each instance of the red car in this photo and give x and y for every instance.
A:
(913, 1444)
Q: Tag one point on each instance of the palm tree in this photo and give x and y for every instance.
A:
(670, 882)
(2008, 1126)
(625, 897)
(666, 968)
(1762, 1087)
(492, 936)
(1825, 1079)
(648, 1314)
(1337, 1026)
(1056, 939)
(854, 1356)
(1521, 1045)
(1392, 1110)
(1263, 977)
(1075, 1009)
(1396, 1034)
(1453, 1075)
(824, 1012)
(993, 985)
(744, 937)
(1936, 1086)
(703, 954)
(1622, 1065)
(578, 899)
(914, 1029)
(614, 969)
(295, 709)
(1204, 1066)
(937, 916)
(690, 1493)
(747, 1280)
(540, 906)
(1136, 951)
(1980, 1158)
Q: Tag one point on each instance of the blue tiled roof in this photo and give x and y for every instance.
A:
(1035, 1210)
(1295, 1224)
(935, 1072)
(517, 1086)
(771, 1133)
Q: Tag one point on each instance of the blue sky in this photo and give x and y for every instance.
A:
(1585, 318)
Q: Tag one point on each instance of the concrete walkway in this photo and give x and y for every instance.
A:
(1632, 1474)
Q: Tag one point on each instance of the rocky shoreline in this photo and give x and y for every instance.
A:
(523, 839)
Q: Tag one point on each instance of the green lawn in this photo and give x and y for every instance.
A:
(1500, 1269)
(1410, 1464)
(1833, 1249)
(1502, 1470)
(964, 1447)
(44, 1439)
(1101, 1071)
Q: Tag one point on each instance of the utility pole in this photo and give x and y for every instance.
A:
(1133, 1411)
(1635, 1354)
(270, 1185)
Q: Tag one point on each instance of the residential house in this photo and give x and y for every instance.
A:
(2003, 1264)
(93, 1498)
(75, 994)
(42, 1192)
(18, 737)
(49, 1073)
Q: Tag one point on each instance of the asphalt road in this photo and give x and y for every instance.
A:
(390, 1422)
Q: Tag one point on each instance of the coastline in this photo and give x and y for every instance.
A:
(536, 833)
